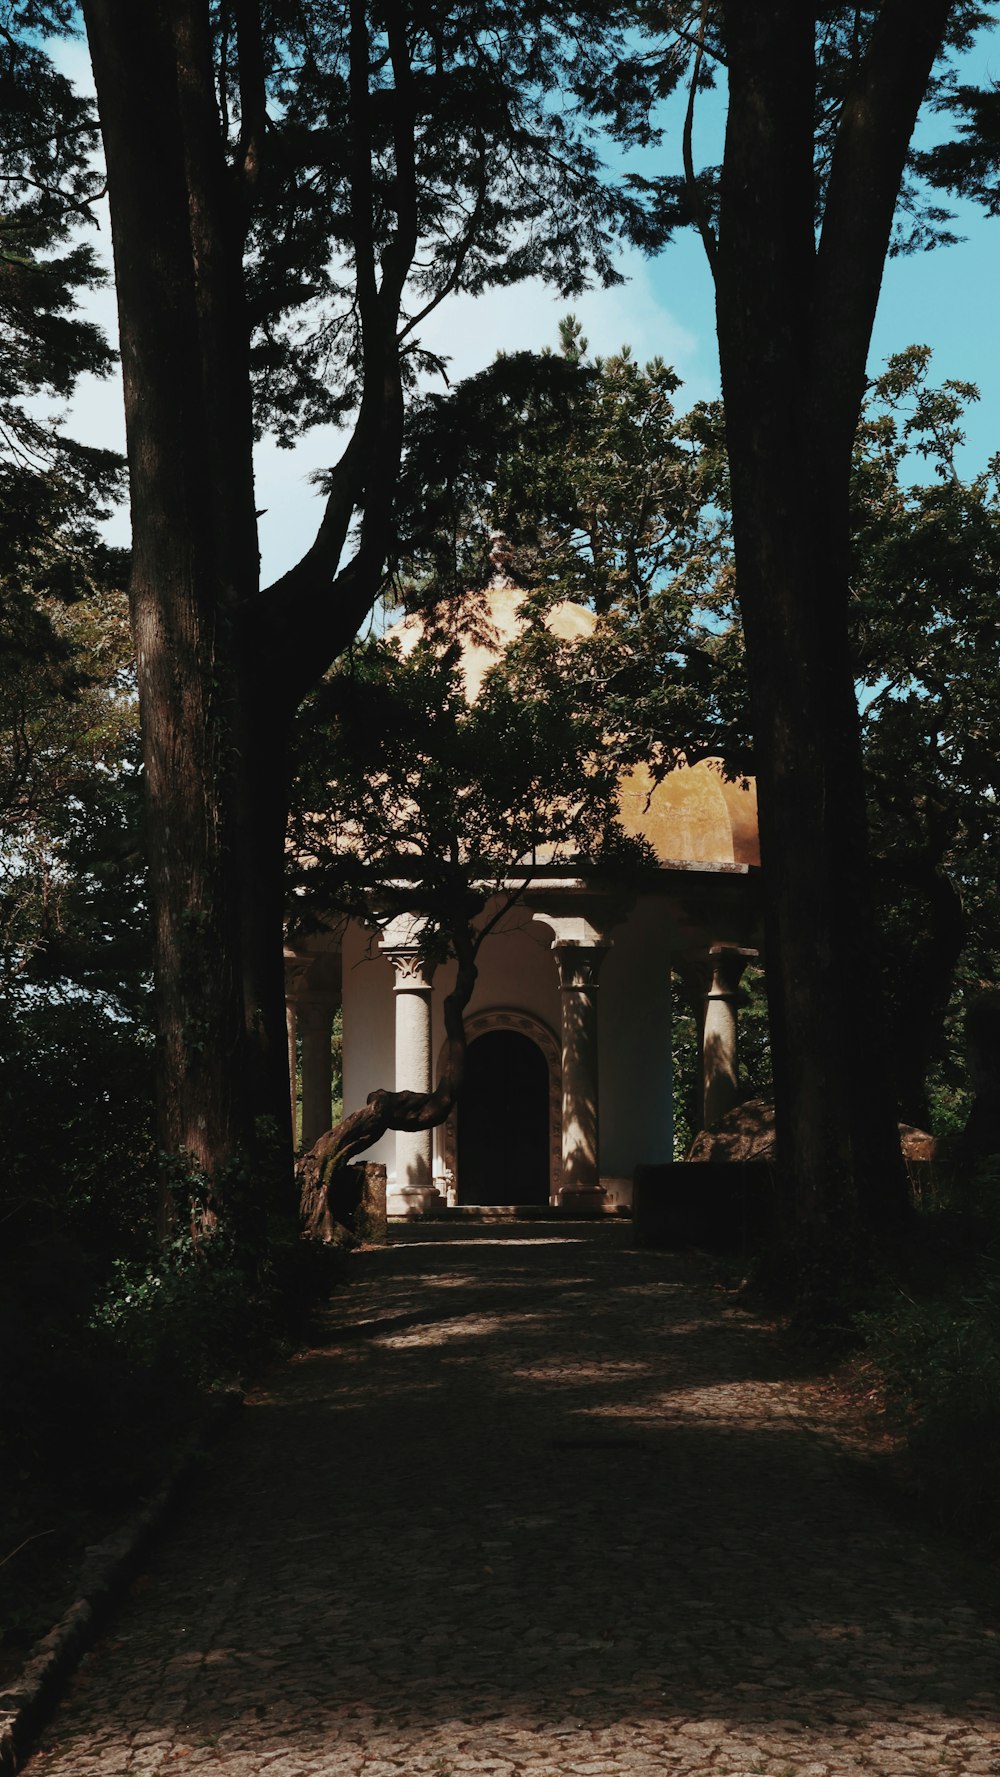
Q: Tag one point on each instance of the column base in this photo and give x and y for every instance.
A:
(414, 1202)
(583, 1199)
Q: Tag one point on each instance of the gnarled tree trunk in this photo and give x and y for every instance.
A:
(384, 1110)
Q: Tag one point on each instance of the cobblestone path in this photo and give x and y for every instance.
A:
(542, 1506)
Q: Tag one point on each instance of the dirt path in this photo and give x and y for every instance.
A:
(541, 1507)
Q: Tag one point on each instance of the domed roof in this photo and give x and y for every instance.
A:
(693, 816)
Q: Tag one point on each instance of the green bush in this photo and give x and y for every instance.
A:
(76, 1097)
(194, 1310)
(931, 1347)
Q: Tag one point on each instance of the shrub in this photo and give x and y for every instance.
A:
(931, 1347)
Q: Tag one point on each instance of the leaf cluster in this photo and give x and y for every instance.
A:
(413, 795)
(469, 138)
(926, 579)
(50, 180)
(679, 51)
(578, 480)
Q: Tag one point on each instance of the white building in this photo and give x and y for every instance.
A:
(568, 1081)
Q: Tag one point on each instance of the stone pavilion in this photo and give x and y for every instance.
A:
(568, 1076)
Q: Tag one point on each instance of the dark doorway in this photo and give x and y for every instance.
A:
(503, 1121)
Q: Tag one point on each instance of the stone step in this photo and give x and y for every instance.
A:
(513, 1212)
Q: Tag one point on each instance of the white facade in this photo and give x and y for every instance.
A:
(573, 997)
(568, 1065)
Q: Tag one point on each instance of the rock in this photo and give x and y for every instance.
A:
(916, 1143)
(745, 1133)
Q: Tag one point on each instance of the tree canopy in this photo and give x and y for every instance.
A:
(321, 176)
(538, 469)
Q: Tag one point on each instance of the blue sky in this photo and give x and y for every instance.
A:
(948, 299)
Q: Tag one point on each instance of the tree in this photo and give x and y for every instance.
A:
(822, 103)
(925, 574)
(417, 794)
(74, 1081)
(65, 708)
(588, 485)
(293, 189)
(580, 479)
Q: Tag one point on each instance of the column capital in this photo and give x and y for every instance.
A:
(577, 917)
(314, 1010)
(579, 964)
(400, 945)
(725, 964)
(414, 974)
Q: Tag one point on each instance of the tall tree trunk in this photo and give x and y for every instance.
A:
(213, 786)
(794, 324)
(223, 664)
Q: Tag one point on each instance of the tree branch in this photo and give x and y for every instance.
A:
(253, 99)
(461, 255)
(695, 195)
(873, 138)
(406, 1111)
(305, 619)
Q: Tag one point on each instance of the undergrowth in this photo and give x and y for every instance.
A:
(107, 1365)
(929, 1356)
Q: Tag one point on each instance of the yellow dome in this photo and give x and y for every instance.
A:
(694, 816)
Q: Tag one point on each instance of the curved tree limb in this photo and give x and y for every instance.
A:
(384, 1110)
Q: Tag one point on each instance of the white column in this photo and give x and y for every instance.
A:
(719, 1053)
(415, 1193)
(315, 1023)
(579, 964)
(293, 1068)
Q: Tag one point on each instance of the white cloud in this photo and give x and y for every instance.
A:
(469, 331)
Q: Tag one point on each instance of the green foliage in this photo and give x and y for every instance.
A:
(969, 164)
(412, 796)
(508, 179)
(71, 859)
(66, 708)
(580, 481)
(189, 1311)
(577, 478)
(925, 581)
(673, 49)
(78, 1433)
(52, 488)
(930, 1358)
(76, 1090)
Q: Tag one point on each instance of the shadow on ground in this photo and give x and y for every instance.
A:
(535, 1485)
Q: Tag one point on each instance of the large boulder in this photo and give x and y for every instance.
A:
(745, 1133)
(747, 1136)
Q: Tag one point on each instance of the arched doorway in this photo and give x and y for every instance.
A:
(503, 1121)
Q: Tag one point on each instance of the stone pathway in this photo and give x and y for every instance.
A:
(542, 1506)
